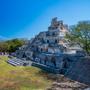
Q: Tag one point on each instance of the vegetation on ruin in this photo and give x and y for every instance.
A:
(80, 34)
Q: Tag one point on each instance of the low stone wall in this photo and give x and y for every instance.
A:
(46, 68)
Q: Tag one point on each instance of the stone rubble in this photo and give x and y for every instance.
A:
(67, 84)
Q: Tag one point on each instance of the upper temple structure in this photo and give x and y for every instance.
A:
(49, 49)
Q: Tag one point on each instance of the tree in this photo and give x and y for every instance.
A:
(11, 45)
(80, 34)
(14, 44)
(3, 47)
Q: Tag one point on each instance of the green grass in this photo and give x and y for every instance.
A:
(21, 78)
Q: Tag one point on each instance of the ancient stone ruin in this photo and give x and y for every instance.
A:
(49, 50)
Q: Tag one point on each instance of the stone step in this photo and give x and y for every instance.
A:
(15, 62)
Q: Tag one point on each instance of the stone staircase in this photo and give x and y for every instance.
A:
(19, 62)
(15, 62)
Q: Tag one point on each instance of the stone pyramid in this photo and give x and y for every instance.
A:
(48, 49)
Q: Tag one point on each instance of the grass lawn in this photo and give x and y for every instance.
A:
(21, 78)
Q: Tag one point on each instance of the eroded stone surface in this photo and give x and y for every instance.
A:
(80, 70)
(63, 83)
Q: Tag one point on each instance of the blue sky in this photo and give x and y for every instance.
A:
(26, 18)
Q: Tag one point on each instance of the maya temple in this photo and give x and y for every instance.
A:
(49, 50)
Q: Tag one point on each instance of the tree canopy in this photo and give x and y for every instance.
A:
(11, 45)
(80, 34)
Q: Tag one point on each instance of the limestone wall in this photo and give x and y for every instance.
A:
(80, 71)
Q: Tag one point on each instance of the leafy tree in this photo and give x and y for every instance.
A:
(11, 45)
(3, 47)
(14, 44)
(80, 34)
